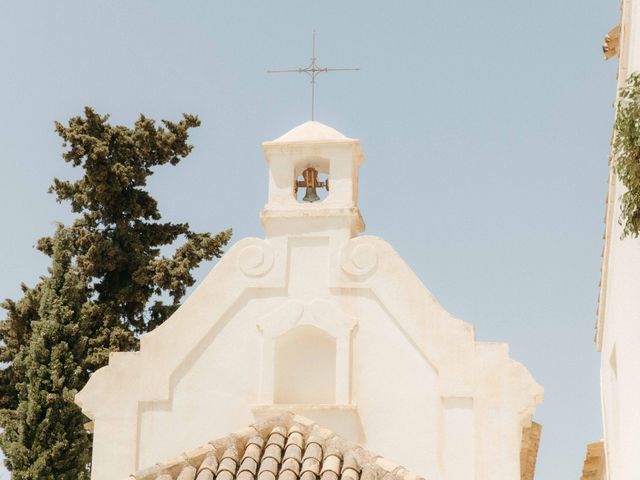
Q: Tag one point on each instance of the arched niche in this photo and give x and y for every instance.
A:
(306, 343)
(305, 367)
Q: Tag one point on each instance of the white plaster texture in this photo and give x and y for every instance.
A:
(618, 326)
(321, 322)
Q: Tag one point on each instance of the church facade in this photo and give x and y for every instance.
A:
(318, 340)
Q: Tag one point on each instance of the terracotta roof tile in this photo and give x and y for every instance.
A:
(283, 448)
(209, 464)
(368, 473)
(187, 473)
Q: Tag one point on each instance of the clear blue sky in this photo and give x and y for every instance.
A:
(485, 126)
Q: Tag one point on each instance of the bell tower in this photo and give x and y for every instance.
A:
(313, 182)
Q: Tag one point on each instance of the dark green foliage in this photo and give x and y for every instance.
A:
(118, 235)
(626, 153)
(15, 331)
(45, 438)
(113, 249)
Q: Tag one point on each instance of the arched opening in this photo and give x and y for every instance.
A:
(305, 367)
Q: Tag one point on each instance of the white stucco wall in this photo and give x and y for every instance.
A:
(221, 382)
(620, 357)
(618, 335)
(411, 382)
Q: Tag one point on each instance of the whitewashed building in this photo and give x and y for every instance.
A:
(327, 343)
(618, 321)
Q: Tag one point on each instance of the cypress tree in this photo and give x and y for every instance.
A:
(114, 247)
(46, 438)
(15, 331)
(118, 235)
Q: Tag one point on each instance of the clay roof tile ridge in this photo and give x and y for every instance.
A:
(286, 447)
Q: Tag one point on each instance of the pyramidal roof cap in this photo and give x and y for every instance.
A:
(312, 132)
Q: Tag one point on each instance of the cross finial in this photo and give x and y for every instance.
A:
(313, 70)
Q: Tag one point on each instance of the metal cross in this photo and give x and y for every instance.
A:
(313, 70)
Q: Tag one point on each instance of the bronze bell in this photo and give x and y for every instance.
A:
(311, 195)
(311, 183)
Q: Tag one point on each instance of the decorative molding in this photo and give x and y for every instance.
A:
(256, 259)
(359, 257)
(281, 320)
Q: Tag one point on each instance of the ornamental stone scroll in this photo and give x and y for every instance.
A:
(256, 259)
(359, 257)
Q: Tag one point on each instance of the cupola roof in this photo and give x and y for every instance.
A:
(312, 131)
